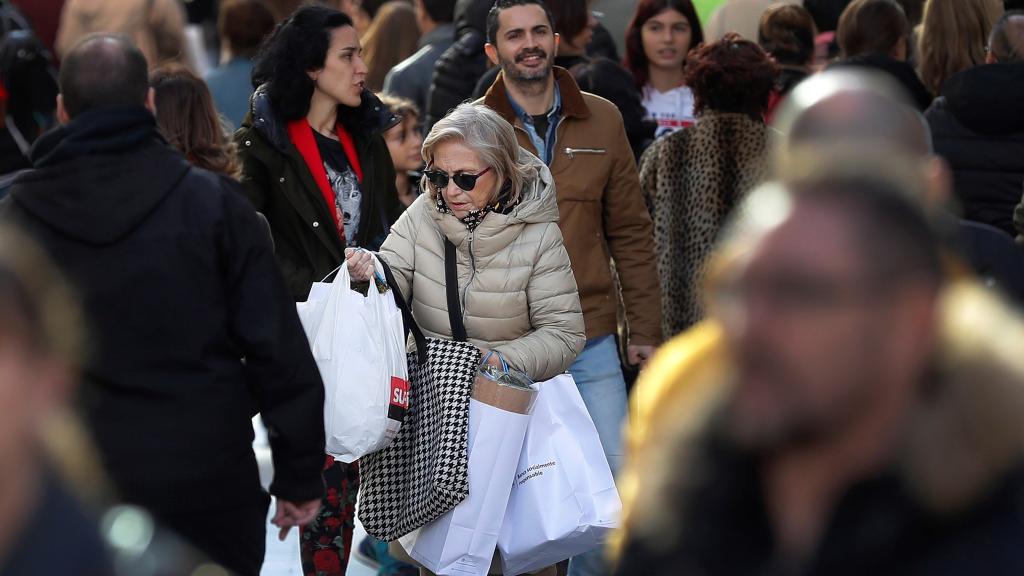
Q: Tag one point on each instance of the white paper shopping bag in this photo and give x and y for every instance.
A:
(463, 541)
(563, 501)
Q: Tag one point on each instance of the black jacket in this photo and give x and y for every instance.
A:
(878, 526)
(179, 285)
(900, 71)
(279, 184)
(994, 257)
(460, 67)
(978, 127)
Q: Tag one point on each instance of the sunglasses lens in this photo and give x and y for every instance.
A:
(438, 179)
(465, 181)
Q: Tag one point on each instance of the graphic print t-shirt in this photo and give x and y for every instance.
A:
(672, 110)
(348, 195)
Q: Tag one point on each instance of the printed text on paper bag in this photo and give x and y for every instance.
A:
(532, 472)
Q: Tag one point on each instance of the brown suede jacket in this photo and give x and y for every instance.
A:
(603, 215)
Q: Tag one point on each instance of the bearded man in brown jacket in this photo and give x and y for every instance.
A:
(603, 217)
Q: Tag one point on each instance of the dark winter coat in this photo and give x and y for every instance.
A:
(978, 127)
(902, 72)
(692, 180)
(949, 503)
(462, 64)
(192, 328)
(280, 185)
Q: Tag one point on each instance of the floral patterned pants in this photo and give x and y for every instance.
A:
(327, 541)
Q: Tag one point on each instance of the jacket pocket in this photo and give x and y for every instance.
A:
(572, 152)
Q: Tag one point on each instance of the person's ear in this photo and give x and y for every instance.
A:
(492, 53)
(558, 40)
(151, 101)
(62, 113)
(900, 50)
(939, 179)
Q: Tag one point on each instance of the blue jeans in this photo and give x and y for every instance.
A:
(598, 375)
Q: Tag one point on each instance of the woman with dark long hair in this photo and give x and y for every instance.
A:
(658, 39)
(187, 118)
(314, 161)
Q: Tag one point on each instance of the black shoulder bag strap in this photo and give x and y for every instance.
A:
(451, 284)
(408, 320)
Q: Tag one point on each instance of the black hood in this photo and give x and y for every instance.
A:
(988, 99)
(371, 118)
(98, 177)
(900, 71)
(470, 16)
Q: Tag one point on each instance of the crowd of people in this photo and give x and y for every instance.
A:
(796, 221)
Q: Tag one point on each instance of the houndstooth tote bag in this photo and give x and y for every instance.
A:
(424, 472)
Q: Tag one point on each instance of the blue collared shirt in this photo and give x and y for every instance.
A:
(545, 146)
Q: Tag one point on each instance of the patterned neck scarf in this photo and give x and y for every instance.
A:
(475, 217)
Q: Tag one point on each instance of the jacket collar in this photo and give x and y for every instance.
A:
(573, 104)
(110, 130)
(987, 98)
(370, 119)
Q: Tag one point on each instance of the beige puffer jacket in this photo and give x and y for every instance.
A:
(516, 285)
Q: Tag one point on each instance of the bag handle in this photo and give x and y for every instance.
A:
(451, 284)
(408, 320)
(504, 365)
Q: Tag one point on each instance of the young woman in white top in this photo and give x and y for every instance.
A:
(657, 42)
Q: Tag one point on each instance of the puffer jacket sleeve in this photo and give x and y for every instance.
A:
(558, 332)
(399, 249)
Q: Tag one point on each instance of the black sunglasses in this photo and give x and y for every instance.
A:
(464, 181)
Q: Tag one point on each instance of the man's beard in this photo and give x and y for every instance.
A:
(518, 76)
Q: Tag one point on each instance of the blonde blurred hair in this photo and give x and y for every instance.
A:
(952, 38)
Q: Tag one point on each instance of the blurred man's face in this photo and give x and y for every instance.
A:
(808, 329)
(28, 391)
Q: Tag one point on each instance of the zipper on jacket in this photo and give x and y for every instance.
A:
(571, 152)
(472, 275)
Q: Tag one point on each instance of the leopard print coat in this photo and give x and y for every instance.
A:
(692, 180)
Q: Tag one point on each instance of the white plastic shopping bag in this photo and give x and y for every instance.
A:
(463, 541)
(563, 501)
(358, 343)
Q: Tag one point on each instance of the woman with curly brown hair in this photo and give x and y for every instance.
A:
(187, 118)
(693, 178)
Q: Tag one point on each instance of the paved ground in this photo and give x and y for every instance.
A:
(283, 557)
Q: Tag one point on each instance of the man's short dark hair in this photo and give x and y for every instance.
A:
(1006, 41)
(103, 70)
(499, 5)
(440, 11)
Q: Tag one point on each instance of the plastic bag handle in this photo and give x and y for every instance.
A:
(504, 365)
(332, 272)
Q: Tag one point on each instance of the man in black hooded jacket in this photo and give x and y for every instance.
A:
(978, 128)
(193, 330)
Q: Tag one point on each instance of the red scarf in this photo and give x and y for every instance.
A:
(301, 135)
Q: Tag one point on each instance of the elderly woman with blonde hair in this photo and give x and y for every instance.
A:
(495, 203)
